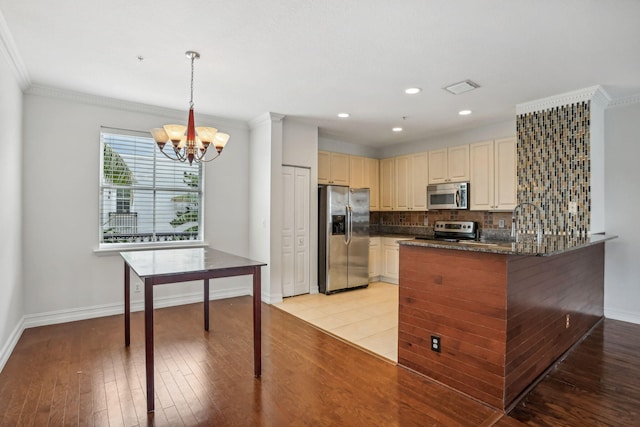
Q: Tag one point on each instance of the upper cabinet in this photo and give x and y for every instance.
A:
(449, 165)
(419, 180)
(493, 175)
(506, 174)
(363, 173)
(387, 184)
(357, 177)
(333, 168)
(402, 192)
(411, 182)
(372, 171)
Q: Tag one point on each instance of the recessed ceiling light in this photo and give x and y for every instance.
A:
(412, 90)
(344, 115)
(464, 112)
(397, 129)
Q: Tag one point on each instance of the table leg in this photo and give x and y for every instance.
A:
(148, 342)
(206, 304)
(127, 305)
(257, 323)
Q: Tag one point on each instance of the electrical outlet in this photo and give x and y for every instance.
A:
(501, 223)
(573, 208)
(137, 289)
(435, 343)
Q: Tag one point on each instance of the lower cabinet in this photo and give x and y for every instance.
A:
(384, 259)
(374, 259)
(390, 260)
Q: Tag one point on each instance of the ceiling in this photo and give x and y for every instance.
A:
(312, 59)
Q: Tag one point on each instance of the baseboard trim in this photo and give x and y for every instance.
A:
(623, 315)
(75, 314)
(72, 315)
(392, 280)
(7, 349)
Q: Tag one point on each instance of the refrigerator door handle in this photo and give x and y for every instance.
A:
(349, 230)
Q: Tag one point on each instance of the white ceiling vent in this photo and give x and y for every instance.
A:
(461, 87)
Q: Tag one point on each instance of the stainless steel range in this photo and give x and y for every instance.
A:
(453, 231)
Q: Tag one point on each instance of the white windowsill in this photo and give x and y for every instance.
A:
(115, 249)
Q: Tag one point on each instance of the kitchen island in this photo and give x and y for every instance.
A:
(500, 313)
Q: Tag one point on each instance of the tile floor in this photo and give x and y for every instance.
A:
(366, 317)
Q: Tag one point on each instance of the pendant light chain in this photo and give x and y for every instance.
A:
(193, 57)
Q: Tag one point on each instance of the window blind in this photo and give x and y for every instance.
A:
(144, 196)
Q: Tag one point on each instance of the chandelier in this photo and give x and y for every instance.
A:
(190, 142)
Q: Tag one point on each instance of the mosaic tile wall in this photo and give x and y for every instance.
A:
(554, 168)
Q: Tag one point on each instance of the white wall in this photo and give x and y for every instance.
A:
(64, 279)
(265, 200)
(331, 144)
(300, 148)
(11, 165)
(622, 201)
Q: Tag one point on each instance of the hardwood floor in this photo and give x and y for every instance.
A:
(80, 373)
(598, 384)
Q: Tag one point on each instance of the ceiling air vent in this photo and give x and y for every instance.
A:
(461, 87)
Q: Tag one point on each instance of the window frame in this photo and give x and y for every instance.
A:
(157, 156)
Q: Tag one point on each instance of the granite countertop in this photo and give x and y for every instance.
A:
(399, 236)
(551, 245)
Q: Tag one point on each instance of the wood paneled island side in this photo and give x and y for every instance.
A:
(502, 319)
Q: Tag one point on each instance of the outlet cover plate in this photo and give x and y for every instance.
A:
(435, 343)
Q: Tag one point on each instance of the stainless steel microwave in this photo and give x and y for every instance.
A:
(452, 195)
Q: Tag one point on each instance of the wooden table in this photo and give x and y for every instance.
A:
(159, 267)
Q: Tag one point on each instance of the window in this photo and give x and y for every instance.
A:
(144, 196)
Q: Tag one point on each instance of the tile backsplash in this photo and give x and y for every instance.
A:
(422, 222)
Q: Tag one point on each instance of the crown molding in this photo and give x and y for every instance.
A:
(593, 93)
(120, 104)
(264, 118)
(8, 48)
(627, 100)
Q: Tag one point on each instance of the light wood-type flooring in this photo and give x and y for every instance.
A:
(367, 317)
(80, 373)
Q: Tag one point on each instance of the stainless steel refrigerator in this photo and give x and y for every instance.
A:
(343, 238)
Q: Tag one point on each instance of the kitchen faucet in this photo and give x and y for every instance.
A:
(514, 218)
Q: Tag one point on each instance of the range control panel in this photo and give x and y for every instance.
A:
(468, 229)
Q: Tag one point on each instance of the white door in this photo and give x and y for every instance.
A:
(295, 231)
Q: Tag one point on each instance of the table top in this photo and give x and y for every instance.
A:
(158, 262)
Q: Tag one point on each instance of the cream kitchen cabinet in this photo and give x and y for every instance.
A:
(372, 170)
(449, 164)
(364, 173)
(375, 249)
(402, 191)
(333, 168)
(391, 259)
(357, 178)
(387, 183)
(493, 175)
(419, 181)
(411, 182)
